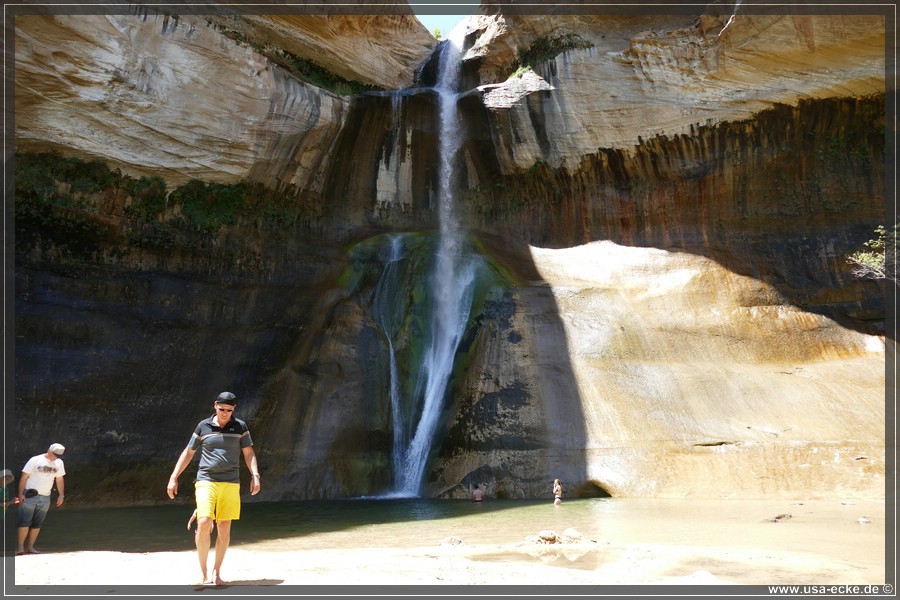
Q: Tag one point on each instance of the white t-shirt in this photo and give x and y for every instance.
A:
(42, 473)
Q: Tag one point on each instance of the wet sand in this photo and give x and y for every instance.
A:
(645, 543)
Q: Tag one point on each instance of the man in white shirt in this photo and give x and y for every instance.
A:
(38, 476)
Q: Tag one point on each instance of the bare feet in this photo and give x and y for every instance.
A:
(214, 580)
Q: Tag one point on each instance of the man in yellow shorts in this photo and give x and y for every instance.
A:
(221, 439)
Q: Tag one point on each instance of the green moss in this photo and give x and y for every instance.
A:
(546, 47)
(38, 176)
(67, 208)
(152, 235)
(125, 485)
(149, 197)
(318, 76)
(500, 275)
(410, 300)
(210, 205)
(35, 179)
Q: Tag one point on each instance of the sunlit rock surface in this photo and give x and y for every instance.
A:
(194, 96)
(179, 97)
(387, 49)
(648, 75)
(728, 392)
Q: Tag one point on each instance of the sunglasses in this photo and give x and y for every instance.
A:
(220, 409)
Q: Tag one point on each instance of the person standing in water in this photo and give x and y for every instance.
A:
(221, 439)
(477, 494)
(557, 492)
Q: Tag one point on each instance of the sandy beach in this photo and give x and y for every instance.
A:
(572, 565)
(811, 548)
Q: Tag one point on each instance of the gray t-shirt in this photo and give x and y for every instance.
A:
(220, 449)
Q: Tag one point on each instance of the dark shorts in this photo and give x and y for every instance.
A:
(33, 511)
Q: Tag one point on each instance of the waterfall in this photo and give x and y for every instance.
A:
(388, 314)
(450, 291)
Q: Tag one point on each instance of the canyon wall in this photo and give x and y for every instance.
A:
(667, 202)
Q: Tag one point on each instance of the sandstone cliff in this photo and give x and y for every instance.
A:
(640, 76)
(666, 202)
(202, 96)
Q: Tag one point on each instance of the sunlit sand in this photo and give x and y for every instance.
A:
(623, 542)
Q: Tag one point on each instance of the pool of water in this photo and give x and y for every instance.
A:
(350, 523)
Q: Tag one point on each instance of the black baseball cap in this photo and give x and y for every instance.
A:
(226, 398)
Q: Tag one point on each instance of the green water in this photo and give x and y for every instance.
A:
(336, 523)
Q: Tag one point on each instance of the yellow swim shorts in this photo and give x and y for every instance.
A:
(218, 499)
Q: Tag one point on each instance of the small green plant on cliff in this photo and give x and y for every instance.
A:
(148, 197)
(87, 177)
(312, 73)
(546, 47)
(210, 206)
(880, 259)
(538, 168)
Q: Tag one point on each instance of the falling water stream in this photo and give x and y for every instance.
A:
(388, 313)
(450, 292)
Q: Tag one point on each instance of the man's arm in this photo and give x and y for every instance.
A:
(61, 488)
(22, 481)
(250, 459)
(183, 461)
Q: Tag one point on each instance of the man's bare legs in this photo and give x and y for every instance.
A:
(223, 539)
(202, 540)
